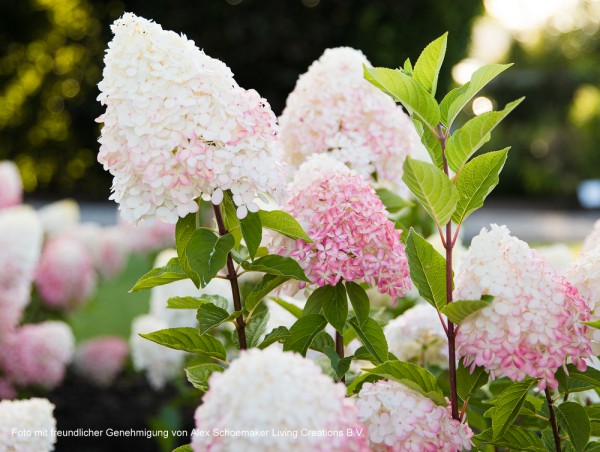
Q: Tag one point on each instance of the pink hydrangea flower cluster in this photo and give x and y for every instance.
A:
(533, 325)
(334, 109)
(65, 277)
(11, 186)
(37, 354)
(289, 394)
(177, 126)
(21, 237)
(100, 360)
(353, 238)
(400, 419)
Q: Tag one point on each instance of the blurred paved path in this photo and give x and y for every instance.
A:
(530, 223)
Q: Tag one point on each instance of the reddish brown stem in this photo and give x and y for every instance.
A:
(240, 325)
(449, 244)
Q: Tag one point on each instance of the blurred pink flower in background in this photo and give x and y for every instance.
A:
(21, 242)
(37, 354)
(65, 277)
(101, 359)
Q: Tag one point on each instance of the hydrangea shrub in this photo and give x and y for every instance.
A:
(511, 336)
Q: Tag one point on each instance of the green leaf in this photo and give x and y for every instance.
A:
(406, 90)
(459, 310)
(303, 332)
(507, 406)
(262, 289)
(315, 301)
(184, 448)
(573, 419)
(474, 134)
(321, 341)
(189, 340)
(456, 100)
(432, 144)
(277, 265)
(408, 67)
(256, 328)
(183, 233)
(339, 365)
(392, 202)
(477, 179)
(468, 382)
(207, 253)
(195, 303)
(593, 324)
(160, 276)
(515, 438)
(276, 335)
(359, 300)
(284, 223)
(210, 316)
(372, 337)
(230, 219)
(427, 269)
(289, 307)
(592, 447)
(185, 302)
(413, 376)
(335, 305)
(433, 189)
(198, 375)
(590, 375)
(429, 63)
(252, 232)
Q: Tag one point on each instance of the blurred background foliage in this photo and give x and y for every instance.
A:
(51, 60)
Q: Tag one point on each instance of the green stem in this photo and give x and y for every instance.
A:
(240, 325)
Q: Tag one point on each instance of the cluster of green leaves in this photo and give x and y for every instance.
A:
(202, 255)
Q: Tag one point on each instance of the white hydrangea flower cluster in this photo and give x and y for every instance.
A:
(418, 336)
(178, 126)
(59, 216)
(160, 363)
(11, 185)
(584, 274)
(29, 415)
(400, 419)
(334, 109)
(558, 255)
(287, 394)
(533, 326)
(21, 236)
(592, 241)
